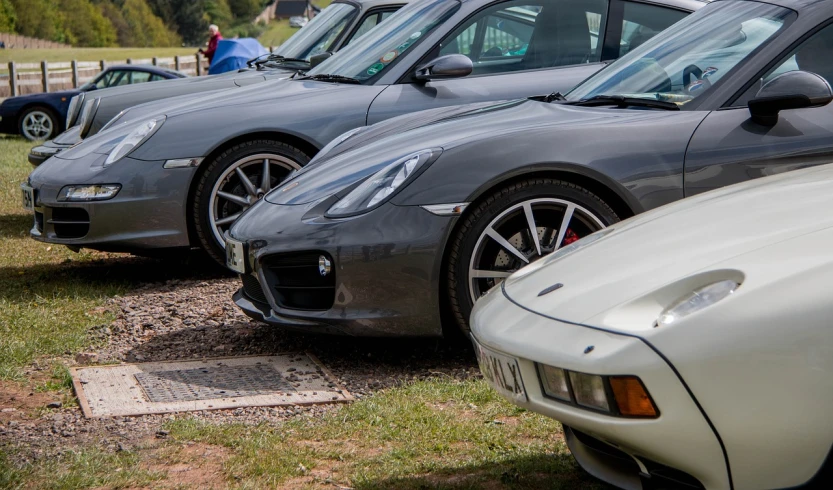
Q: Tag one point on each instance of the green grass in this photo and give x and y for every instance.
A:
(276, 33)
(20, 55)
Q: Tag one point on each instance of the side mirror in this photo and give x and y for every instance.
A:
(448, 66)
(317, 59)
(791, 90)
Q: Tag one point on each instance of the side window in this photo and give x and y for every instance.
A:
(530, 34)
(156, 78)
(812, 55)
(139, 76)
(105, 81)
(369, 22)
(644, 21)
(118, 78)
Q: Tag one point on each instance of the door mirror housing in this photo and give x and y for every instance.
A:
(317, 59)
(791, 90)
(448, 66)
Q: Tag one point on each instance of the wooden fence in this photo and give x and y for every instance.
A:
(17, 41)
(31, 78)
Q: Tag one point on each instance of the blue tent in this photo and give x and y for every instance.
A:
(232, 54)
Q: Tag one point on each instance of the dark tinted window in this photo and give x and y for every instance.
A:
(525, 35)
(643, 21)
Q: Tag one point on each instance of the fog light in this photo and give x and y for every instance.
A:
(324, 266)
(554, 382)
(589, 391)
(631, 397)
(96, 192)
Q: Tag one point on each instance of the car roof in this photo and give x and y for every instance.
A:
(148, 68)
(369, 4)
(799, 5)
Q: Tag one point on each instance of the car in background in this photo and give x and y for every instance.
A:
(335, 27)
(181, 177)
(676, 347)
(298, 21)
(419, 216)
(42, 116)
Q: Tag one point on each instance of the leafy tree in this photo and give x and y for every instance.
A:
(38, 18)
(85, 25)
(245, 10)
(124, 35)
(8, 17)
(218, 12)
(147, 29)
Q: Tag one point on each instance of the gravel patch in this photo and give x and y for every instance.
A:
(181, 319)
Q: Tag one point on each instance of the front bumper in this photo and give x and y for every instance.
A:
(149, 212)
(679, 442)
(385, 269)
(41, 153)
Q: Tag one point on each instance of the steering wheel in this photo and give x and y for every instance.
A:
(693, 87)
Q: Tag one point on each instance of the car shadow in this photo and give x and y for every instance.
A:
(532, 472)
(15, 225)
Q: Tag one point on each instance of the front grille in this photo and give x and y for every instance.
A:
(297, 284)
(660, 474)
(70, 222)
(252, 289)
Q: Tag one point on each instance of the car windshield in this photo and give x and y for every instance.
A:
(320, 33)
(371, 55)
(683, 62)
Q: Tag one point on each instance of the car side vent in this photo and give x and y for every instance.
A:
(297, 283)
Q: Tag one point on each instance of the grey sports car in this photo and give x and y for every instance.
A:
(179, 178)
(336, 26)
(419, 216)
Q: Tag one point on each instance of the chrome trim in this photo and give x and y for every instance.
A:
(183, 163)
(453, 209)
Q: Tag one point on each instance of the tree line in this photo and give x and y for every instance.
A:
(129, 23)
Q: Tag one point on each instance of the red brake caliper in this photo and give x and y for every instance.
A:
(570, 237)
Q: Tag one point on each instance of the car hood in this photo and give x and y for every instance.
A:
(647, 255)
(369, 151)
(23, 99)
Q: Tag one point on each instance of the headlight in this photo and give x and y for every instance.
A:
(112, 122)
(134, 139)
(696, 301)
(382, 185)
(97, 192)
(74, 109)
(339, 140)
(87, 116)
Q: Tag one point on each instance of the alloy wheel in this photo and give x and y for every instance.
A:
(37, 125)
(522, 234)
(242, 184)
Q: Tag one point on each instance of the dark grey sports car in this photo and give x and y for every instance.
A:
(421, 215)
(180, 177)
(335, 27)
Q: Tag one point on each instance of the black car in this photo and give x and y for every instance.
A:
(42, 116)
(416, 217)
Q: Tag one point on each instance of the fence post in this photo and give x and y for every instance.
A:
(176, 62)
(271, 49)
(13, 77)
(199, 64)
(155, 61)
(74, 73)
(44, 68)
(129, 61)
(102, 64)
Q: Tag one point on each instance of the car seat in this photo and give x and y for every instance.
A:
(561, 36)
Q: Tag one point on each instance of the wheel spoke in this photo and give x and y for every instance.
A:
(234, 198)
(228, 219)
(481, 274)
(533, 231)
(266, 180)
(250, 188)
(494, 235)
(565, 223)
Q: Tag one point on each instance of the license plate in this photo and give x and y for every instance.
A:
(28, 197)
(235, 259)
(502, 372)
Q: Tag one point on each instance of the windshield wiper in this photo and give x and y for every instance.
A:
(624, 102)
(555, 96)
(331, 78)
(280, 59)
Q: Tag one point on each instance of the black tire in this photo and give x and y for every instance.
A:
(54, 123)
(479, 216)
(213, 170)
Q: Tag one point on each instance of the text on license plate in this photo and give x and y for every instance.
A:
(235, 260)
(502, 372)
(28, 197)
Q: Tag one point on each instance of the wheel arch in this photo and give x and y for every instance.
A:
(612, 193)
(60, 119)
(290, 139)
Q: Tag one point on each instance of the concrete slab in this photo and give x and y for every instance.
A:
(207, 384)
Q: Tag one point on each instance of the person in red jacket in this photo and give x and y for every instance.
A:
(215, 38)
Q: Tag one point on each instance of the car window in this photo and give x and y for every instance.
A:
(642, 21)
(812, 55)
(525, 35)
(156, 78)
(369, 22)
(139, 77)
(683, 63)
(320, 32)
(105, 79)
